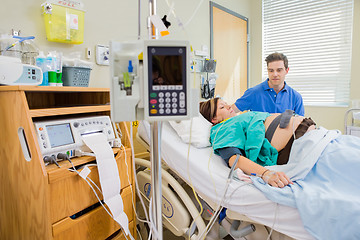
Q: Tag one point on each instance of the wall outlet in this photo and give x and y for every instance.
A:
(88, 53)
(15, 32)
(102, 54)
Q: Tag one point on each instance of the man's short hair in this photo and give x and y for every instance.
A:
(277, 57)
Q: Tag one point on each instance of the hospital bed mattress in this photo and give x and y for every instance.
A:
(208, 174)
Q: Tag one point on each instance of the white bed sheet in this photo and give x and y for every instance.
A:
(208, 174)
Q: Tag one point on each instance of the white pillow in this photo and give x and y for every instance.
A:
(200, 131)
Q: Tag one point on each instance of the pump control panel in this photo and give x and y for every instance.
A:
(166, 80)
(159, 81)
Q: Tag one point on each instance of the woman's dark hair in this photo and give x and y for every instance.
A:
(209, 108)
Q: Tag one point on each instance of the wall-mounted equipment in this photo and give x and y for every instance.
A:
(64, 21)
(102, 54)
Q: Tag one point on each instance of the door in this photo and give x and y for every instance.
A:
(229, 46)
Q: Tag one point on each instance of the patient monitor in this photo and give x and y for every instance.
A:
(65, 136)
(150, 79)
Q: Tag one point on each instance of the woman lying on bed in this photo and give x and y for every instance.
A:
(256, 136)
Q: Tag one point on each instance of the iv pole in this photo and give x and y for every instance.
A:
(155, 145)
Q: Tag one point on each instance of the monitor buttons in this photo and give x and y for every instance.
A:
(182, 103)
(182, 96)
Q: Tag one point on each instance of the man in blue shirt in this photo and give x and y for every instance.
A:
(272, 95)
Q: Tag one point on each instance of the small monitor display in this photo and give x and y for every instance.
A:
(60, 134)
(167, 65)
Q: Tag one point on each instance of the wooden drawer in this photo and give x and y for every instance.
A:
(69, 193)
(121, 235)
(96, 224)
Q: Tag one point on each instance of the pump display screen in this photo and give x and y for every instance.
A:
(167, 70)
(167, 80)
(60, 134)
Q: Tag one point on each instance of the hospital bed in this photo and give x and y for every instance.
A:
(208, 174)
(352, 127)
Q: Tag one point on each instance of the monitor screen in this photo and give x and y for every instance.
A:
(167, 65)
(60, 134)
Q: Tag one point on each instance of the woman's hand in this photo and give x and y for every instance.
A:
(276, 179)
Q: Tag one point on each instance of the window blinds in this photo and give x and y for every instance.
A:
(315, 35)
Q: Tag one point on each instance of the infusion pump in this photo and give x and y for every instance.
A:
(150, 79)
(65, 136)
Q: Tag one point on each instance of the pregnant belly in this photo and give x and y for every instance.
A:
(283, 135)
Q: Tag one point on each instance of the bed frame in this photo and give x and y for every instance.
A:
(180, 208)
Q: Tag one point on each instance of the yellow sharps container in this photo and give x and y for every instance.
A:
(64, 21)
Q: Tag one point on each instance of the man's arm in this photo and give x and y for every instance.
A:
(299, 107)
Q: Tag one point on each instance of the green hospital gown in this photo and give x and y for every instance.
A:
(246, 132)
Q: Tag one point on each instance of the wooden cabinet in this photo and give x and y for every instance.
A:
(48, 202)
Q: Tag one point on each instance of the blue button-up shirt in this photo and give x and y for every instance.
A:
(264, 99)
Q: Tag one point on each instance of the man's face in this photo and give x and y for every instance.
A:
(277, 73)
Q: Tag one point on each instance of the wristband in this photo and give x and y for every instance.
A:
(268, 176)
(264, 173)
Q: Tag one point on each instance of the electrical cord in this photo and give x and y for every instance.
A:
(153, 229)
(89, 181)
(130, 183)
(272, 227)
(191, 185)
(136, 182)
(269, 235)
(220, 207)
(92, 188)
(190, 181)
(132, 193)
(51, 159)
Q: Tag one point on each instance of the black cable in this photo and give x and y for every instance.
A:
(232, 169)
(63, 156)
(53, 160)
(47, 159)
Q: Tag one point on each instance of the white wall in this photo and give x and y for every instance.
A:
(114, 20)
(118, 20)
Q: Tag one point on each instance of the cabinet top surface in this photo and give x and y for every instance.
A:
(52, 89)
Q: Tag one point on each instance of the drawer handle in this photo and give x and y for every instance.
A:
(86, 210)
(24, 144)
